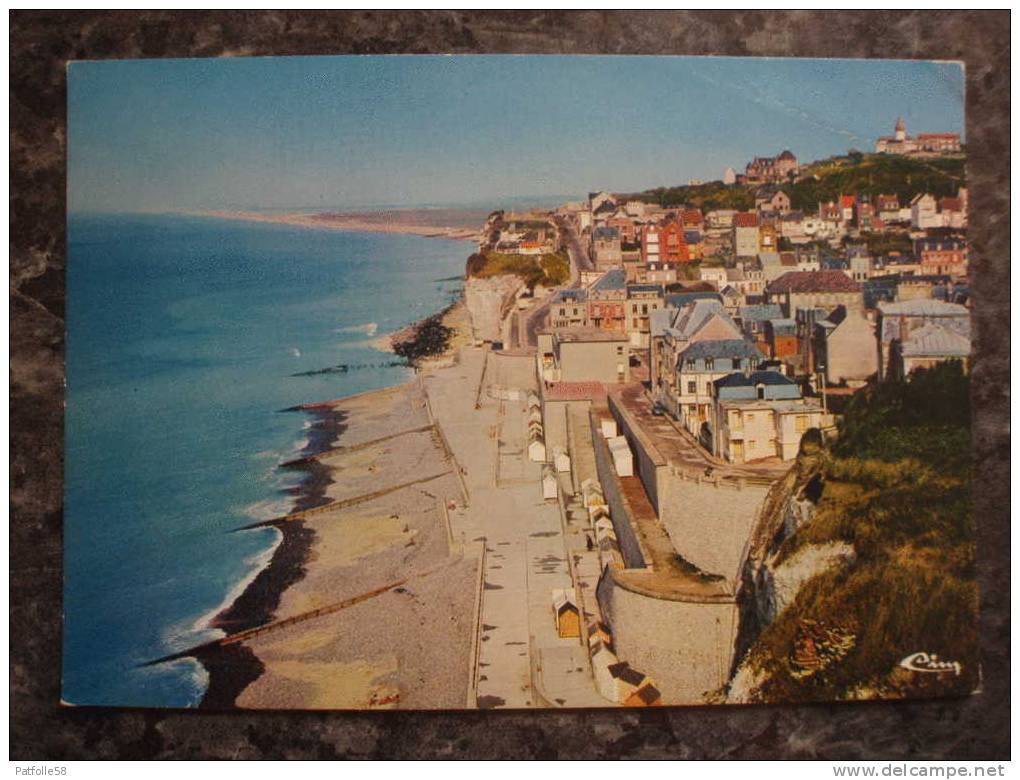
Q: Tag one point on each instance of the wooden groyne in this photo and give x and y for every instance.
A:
(251, 633)
(334, 506)
(315, 457)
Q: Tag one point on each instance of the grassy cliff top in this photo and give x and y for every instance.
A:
(825, 180)
(897, 490)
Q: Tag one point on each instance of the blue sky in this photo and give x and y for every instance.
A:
(348, 132)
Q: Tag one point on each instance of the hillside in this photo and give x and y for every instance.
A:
(826, 180)
(896, 501)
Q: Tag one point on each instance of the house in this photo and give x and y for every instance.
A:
(584, 355)
(642, 301)
(847, 206)
(674, 329)
(673, 244)
(781, 338)
(899, 320)
(888, 208)
(954, 213)
(927, 346)
(732, 299)
(747, 278)
(752, 321)
(569, 308)
(767, 199)
(924, 212)
(713, 275)
(625, 226)
(768, 237)
(599, 200)
(792, 227)
(720, 219)
(689, 396)
(844, 347)
(606, 248)
(745, 234)
(607, 301)
(865, 217)
(807, 289)
(760, 415)
(771, 170)
(942, 256)
(692, 219)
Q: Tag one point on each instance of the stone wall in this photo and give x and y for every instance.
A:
(709, 521)
(685, 646)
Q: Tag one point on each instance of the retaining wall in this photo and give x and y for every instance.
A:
(685, 646)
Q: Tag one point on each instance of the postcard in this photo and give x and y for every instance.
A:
(456, 382)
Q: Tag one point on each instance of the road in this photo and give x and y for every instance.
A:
(536, 317)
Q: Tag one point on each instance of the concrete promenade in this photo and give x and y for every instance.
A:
(521, 660)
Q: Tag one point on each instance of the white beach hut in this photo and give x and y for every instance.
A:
(550, 489)
(536, 450)
(561, 460)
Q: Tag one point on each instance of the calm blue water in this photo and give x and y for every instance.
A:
(182, 336)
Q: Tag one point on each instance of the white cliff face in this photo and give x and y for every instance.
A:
(769, 585)
(807, 562)
(489, 301)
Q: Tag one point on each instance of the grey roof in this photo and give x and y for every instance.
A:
(759, 312)
(922, 307)
(644, 288)
(753, 379)
(724, 348)
(679, 300)
(783, 326)
(612, 280)
(659, 320)
(934, 340)
(570, 294)
(690, 319)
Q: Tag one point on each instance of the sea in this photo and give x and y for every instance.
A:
(187, 337)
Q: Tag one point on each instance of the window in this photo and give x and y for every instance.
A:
(736, 364)
(635, 322)
(619, 350)
(709, 364)
(802, 423)
(644, 308)
(692, 387)
(749, 417)
(761, 392)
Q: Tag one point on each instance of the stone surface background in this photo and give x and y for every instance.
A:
(41, 42)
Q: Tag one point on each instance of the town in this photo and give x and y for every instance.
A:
(674, 358)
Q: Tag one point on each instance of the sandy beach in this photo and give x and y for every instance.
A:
(433, 223)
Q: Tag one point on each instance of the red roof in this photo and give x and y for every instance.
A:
(575, 391)
(813, 281)
(745, 219)
(938, 135)
(951, 204)
(847, 201)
